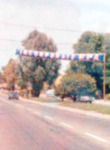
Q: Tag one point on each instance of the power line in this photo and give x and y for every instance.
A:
(47, 28)
(64, 43)
(11, 40)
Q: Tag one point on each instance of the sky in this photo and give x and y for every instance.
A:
(19, 17)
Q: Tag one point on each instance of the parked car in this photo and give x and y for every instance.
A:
(86, 99)
(50, 93)
(13, 95)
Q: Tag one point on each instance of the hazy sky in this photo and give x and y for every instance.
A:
(76, 15)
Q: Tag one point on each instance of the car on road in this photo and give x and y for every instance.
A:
(13, 95)
(86, 99)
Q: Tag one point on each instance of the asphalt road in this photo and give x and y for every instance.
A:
(29, 126)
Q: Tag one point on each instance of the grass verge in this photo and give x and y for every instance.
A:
(89, 107)
(44, 99)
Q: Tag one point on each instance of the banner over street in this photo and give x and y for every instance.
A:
(50, 55)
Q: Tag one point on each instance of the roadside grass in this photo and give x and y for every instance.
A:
(44, 99)
(87, 106)
(84, 106)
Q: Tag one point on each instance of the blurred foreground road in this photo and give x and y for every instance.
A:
(29, 126)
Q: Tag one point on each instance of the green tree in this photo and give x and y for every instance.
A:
(91, 42)
(10, 73)
(38, 70)
(107, 49)
(2, 78)
(76, 84)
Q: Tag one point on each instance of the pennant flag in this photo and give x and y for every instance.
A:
(73, 57)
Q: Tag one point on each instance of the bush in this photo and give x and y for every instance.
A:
(76, 84)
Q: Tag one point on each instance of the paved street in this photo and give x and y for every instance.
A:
(29, 126)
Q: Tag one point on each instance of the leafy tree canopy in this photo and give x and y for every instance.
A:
(76, 84)
(38, 70)
(91, 42)
(39, 41)
(10, 72)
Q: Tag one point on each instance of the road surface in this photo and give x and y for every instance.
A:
(29, 126)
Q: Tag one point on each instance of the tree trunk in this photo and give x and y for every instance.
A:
(36, 92)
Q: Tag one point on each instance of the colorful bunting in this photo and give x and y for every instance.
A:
(74, 57)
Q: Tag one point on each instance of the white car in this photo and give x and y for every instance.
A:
(86, 99)
(50, 93)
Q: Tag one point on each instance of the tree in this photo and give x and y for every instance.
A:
(107, 49)
(95, 69)
(2, 78)
(76, 84)
(91, 42)
(38, 70)
(10, 73)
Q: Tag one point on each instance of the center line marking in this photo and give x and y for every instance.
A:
(37, 113)
(66, 125)
(19, 106)
(29, 109)
(48, 117)
(96, 137)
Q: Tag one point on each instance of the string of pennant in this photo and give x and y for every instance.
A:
(50, 55)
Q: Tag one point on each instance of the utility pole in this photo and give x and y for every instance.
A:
(104, 74)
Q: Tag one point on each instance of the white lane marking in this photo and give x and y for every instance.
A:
(37, 113)
(19, 106)
(66, 125)
(96, 137)
(48, 117)
(29, 109)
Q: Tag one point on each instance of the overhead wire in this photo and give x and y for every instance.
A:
(11, 40)
(33, 26)
(47, 28)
